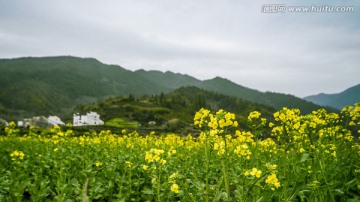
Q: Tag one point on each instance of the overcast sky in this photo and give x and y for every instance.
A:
(299, 53)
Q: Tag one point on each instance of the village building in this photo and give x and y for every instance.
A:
(152, 123)
(3, 122)
(90, 119)
(41, 122)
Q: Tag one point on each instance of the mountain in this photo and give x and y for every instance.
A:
(348, 97)
(275, 100)
(55, 85)
(168, 79)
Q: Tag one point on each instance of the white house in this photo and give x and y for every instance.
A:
(90, 119)
(20, 123)
(54, 120)
(26, 122)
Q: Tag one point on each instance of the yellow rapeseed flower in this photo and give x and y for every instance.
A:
(272, 180)
(128, 164)
(256, 172)
(174, 188)
(17, 154)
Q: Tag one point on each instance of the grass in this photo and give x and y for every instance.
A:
(121, 123)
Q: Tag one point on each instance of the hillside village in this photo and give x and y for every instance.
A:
(89, 119)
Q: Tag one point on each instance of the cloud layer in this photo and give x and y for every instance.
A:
(298, 53)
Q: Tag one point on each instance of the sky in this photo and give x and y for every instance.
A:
(260, 44)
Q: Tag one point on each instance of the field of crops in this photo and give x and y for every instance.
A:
(312, 157)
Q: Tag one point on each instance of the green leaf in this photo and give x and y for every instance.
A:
(147, 191)
(304, 157)
(260, 199)
(339, 191)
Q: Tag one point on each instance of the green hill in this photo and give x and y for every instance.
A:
(173, 111)
(55, 85)
(348, 97)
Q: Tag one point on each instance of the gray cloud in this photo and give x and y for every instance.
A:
(296, 53)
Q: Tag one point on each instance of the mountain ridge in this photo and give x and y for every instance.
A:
(55, 85)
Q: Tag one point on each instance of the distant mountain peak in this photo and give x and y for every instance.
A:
(350, 96)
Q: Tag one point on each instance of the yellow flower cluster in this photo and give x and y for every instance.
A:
(244, 136)
(219, 146)
(155, 155)
(273, 181)
(220, 120)
(268, 145)
(353, 113)
(254, 115)
(243, 151)
(17, 155)
(201, 117)
(317, 130)
(11, 129)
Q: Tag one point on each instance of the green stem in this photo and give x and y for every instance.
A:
(224, 168)
(251, 186)
(284, 174)
(206, 169)
(130, 180)
(158, 185)
(327, 185)
(224, 165)
(84, 191)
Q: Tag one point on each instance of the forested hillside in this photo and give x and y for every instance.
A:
(55, 85)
